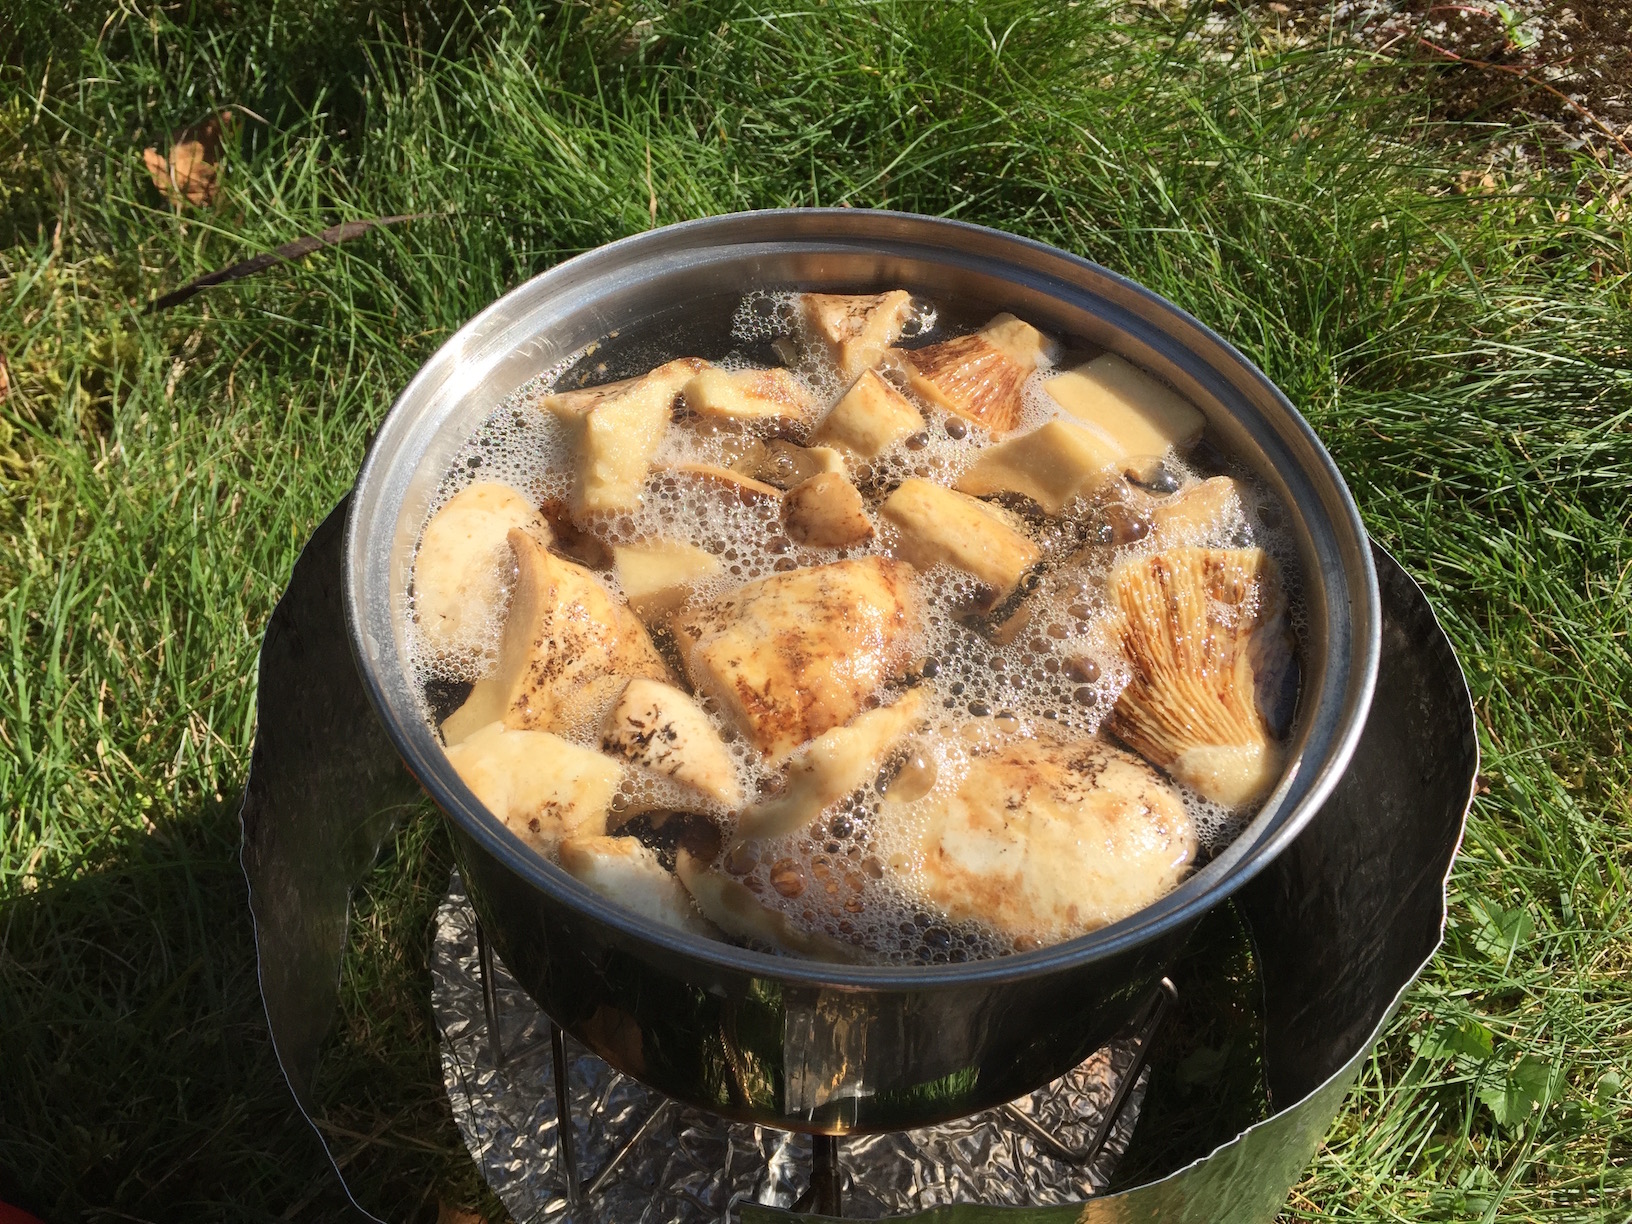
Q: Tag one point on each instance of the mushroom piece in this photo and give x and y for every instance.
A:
(459, 568)
(1043, 838)
(543, 788)
(795, 654)
(826, 511)
(939, 526)
(619, 427)
(1131, 411)
(778, 462)
(744, 489)
(833, 765)
(979, 376)
(735, 909)
(1050, 465)
(869, 418)
(1204, 630)
(566, 641)
(856, 329)
(1193, 513)
(749, 395)
(624, 871)
(658, 575)
(662, 729)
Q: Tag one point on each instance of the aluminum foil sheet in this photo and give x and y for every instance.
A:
(691, 1167)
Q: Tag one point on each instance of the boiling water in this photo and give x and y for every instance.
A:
(1059, 673)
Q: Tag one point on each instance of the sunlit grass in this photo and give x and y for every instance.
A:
(1468, 359)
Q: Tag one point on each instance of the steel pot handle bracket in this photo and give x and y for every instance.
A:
(1342, 922)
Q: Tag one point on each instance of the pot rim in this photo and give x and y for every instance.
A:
(1269, 832)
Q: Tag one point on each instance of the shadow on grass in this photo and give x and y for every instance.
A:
(138, 1080)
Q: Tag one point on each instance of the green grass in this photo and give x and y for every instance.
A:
(1467, 357)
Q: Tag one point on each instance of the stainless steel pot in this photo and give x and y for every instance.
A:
(791, 1043)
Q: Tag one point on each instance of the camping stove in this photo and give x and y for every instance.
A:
(1341, 923)
(610, 1149)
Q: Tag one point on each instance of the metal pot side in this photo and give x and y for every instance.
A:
(792, 1043)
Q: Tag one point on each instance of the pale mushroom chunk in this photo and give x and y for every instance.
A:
(543, 788)
(458, 586)
(1051, 465)
(662, 729)
(1043, 839)
(618, 428)
(939, 526)
(1192, 513)
(832, 766)
(979, 376)
(749, 395)
(794, 654)
(630, 874)
(869, 418)
(856, 329)
(827, 511)
(658, 575)
(1204, 632)
(565, 637)
(1133, 412)
(735, 909)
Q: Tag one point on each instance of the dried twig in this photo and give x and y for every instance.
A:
(332, 236)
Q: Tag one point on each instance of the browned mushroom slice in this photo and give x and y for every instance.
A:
(542, 787)
(618, 428)
(978, 376)
(834, 764)
(941, 527)
(1199, 626)
(462, 558)
(732, 906)
(564, 633)
(826, 511)
(628, 873)
(1131, 410)
(856, 328)
(657, 575)
(795, 654)
(869, 418)
(1043, 839)
(1050, 465)
(662, 729)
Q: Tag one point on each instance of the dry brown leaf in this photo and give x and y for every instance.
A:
(447, 1213)
(188, 174)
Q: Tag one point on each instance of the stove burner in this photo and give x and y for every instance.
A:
(659, 1162)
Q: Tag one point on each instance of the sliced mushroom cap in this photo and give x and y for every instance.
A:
(624, 871)
(795, 654)
(1133, 412)
(1189, 622)
(543, 788)
(618, 429)
(662, 729)
(1043, 839)
(461, 562)
(565, 633)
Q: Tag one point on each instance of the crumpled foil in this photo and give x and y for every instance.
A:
(691, 1166)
